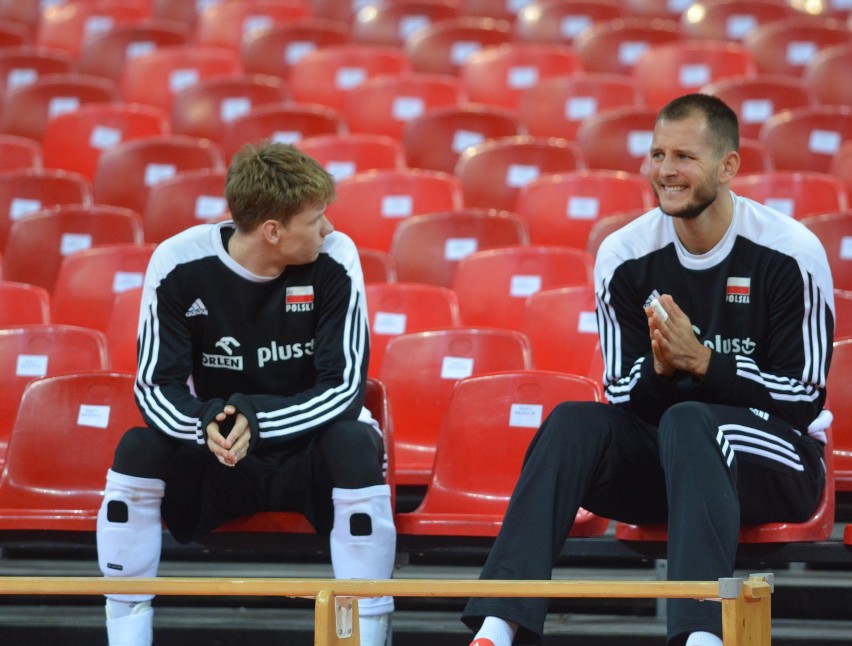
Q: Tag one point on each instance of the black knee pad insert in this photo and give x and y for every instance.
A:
(360, 524)
(117, 511)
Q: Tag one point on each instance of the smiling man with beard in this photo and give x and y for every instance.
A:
(715, 404)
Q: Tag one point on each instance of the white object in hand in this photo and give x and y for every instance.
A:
(664, 316)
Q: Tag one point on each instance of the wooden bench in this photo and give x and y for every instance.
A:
(746, 603)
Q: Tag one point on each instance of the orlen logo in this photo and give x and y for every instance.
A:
(284, 352)
(227, 360)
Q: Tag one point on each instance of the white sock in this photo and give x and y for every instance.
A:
(702, 638)
(133, 629)
(118, 608)
(499, 631)
(374, 629)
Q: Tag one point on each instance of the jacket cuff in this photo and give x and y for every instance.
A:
(209, 410)
(244, 405)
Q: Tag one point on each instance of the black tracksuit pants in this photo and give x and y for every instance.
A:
(705, 470)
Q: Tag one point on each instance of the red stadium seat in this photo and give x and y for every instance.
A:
(277, 49)
(370, 205)
(755, 99)
(731, 20)
(327, 75)
(68, 31)
(559, 21)
(840, 403)
(841, 166)
(794, 194)
(822, 72)
(606, 225)
(287, 123)
(231, 24)
(88, 282)
(399, 308)
(504, 11)
(14, 34)
(20, 66)
(104, 53)
(46, 486)
(658, 8)
(23, 304)
(443, 47)
(391, 24)
(754, 157)
(664, 72)
(420, 370)
(614, 46)
(155, 77)
(843, 313)
(499, 74)
(25, 191)
(561, 326)
(126, 172)
(27, 109)
(19, 153)
(347, 154)
(204, 109)
(488, 426)
(427, 248)
(33, 351)
(555, 107)
(493, 285)
(807, 139)
(436, 139)
(377, 266)
(817, 528)
(786, 46)
(493, 173)
(40, 241)
(179, 202)
(835, 232)
(617, 139)
(121, 330)
(383, 104)
(75, 140)
(562, 208)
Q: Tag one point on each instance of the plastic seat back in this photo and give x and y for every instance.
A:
(348, 154)
(23, 304)
(487, 428)
(203, 109)
(383, 105)
(377, 266)
(562, 208)
(443, 46)
(122, 328)
(155, 77)
(27, 109)
(834, 230)
(560, 22)
(19, 153)
(795, 194)
(493, 285)
(427, 248)
(758, 98)
(494, 172)
(840, 403)
(40, 241)
(664, 72)
(327, 75)
(732, 20)
(370, 205)
(75, 140)
(562, 329)
(33, 351)
(232, 24)
(555, 107)
(499, 74)
(26, 191)
(23, 65)
(614, 46)
(88, 282)
(822, 71)
(390, 24)
(399, 308)
(435, 139)
(807, 139)
(617, 139)
(179, 202)
(843, 313)
(420, 370)
(126, 172)
(47, 487)
(285, 123)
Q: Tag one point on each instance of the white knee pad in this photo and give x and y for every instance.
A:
(129, 532)
(363, 540)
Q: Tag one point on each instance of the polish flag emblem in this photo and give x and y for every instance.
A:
(295, 295)
(738, 286)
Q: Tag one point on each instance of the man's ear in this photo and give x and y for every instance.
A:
(730, 166)
(271, 230)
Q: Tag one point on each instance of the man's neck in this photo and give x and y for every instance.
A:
(699, 235)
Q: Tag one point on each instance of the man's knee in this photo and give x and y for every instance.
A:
(353, 453)
(143, 452)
